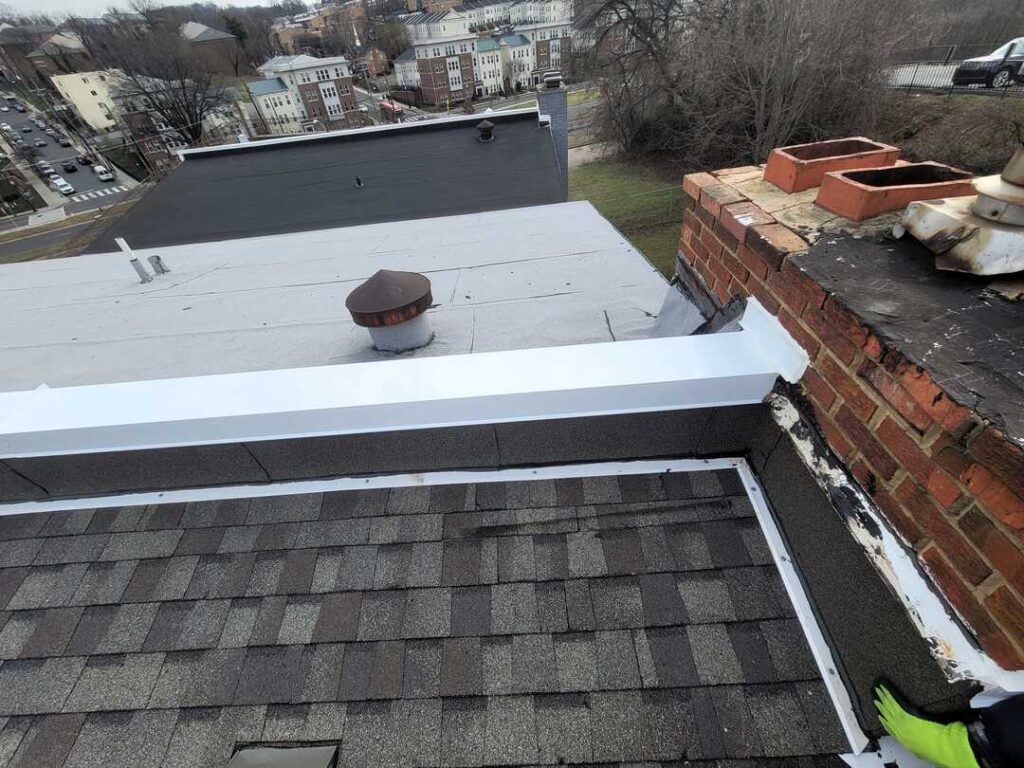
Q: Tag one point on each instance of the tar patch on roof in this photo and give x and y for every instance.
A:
(423, 170)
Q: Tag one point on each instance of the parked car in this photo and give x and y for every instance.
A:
(18, 108)
(999, 69)
(44, 166)
(84, 160)
(102, 173)
(69, 166)
(40, 142)
(5, 109)
(63, 141)
(63, 187)
(26, 129)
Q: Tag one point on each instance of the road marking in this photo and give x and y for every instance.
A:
(76, 199)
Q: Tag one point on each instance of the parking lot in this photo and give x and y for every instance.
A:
(89, 190)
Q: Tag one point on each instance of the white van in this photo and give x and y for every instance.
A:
(102, 173)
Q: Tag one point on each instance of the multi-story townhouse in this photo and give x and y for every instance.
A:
(304, 93)
(485, 47)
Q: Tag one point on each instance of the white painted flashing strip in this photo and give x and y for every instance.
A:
(820, 649)
(184, 154)
(955, 651)
(819, 646)
(646, 375)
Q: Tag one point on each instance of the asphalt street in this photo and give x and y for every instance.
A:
(14, 248)
(89, 192)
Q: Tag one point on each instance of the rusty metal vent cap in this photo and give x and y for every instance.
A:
(389, 298)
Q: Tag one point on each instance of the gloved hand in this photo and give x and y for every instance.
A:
(947, 746)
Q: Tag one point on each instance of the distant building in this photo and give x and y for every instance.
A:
(482, 48)
(374, 61)
(220, 51)
(62, 53)
(304, 93)
(88, 93)
(16, 43)
(407, 73)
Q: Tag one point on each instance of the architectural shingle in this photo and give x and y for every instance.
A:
(470, 635)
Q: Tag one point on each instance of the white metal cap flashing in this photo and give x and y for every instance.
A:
(557, 382)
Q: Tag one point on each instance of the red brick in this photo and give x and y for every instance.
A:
(711, 242)
(752, 261)
(774, 242)
(760, 292)
(1000, 456)
(797, 331)
(851, 326)
(1005, 556)
(1005, 505)
(739, 217)
(837, 344)
(862, 405)
(705, 216)
(895, 395)
(693, 183)
(904, 449)
(733, 265)
(991, 637)
(705, 272)
(690, 221)
(729, 242)
(786, 292)
(939, 485)
(722, 292)
(919, 385)
(948, 454)
(834, 437)
(719, 269)
(700, 249)
(805, 284)
(884, 465)
(898, 518)
(1008, 611)
(951, 541)
(715, 196)
(742, 170)
(817, 389)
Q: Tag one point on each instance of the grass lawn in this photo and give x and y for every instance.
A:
(582, 97)
(644, 202)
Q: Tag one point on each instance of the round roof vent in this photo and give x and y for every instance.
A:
(389, 298)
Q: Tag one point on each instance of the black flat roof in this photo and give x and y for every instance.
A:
(424, 170)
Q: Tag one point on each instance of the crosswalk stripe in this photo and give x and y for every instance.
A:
(91, 195)
(76, 199)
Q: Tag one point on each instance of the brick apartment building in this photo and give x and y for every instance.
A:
(481, 48)
(303, 94)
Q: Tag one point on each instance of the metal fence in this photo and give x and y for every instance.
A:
(941, 69)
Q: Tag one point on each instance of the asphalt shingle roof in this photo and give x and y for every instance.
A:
(570, 621)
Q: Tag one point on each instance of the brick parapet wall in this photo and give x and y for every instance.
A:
(948, 482)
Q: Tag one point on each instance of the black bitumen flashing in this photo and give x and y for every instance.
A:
(423, 170)
(969, 338)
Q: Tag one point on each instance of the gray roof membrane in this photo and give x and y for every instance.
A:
(604, 619)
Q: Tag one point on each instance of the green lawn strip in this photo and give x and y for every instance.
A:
(582, 97)
(645, 203)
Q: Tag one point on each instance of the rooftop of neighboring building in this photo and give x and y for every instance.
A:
(411, 171)
(195, 32)
(541, 276)
(60, 43)
(409, 54)
(299, 61)
(266, 86)
(514, 41)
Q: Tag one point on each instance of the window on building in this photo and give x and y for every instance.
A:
(93, 93)
(337, 72)
(323, 74)
(330, 92)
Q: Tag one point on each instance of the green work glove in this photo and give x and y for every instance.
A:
(945, 745)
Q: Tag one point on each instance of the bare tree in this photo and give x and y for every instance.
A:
(155, 70)
(390, 35)
(722, 81)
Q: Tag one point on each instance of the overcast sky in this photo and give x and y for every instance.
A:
(88, 7)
